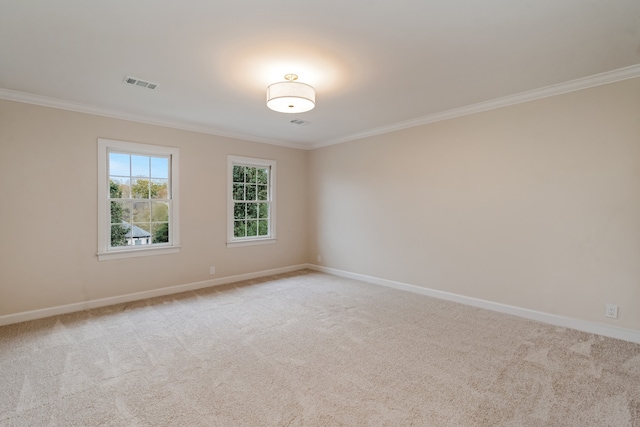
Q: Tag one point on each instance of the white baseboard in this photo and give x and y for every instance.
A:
(102, 302)
(567, 322)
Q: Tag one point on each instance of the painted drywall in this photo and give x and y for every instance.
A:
(48, 226)
(535, 205)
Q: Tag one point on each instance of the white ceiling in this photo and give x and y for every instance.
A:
(375, 64)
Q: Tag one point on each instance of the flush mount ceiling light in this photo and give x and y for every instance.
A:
(291, 96)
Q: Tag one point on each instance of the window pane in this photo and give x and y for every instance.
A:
(249, 174)
(250, 189)
(120, 212)
(263, 192)
(119, 188)
(119, 164)
(141, 212)
(160, 232)
(239, 210)
(160, 189)
(159, 211)
(140, 188)
(140, 166)
(263, 210)
(239, 229)
(262, 176)
(252, 210)
(238, 173)
(119, 235)
(139, 199)
(263, 227)
(160, 167)
(238, 191)
(252, 228)
(251, 192)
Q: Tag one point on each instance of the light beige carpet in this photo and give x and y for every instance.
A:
(310, 349)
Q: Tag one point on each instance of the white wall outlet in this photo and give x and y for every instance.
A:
(611, 310)
(319, 258)
(212, 270)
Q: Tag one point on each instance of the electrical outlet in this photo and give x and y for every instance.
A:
(319, 258)
(611, 310)
(212, 270)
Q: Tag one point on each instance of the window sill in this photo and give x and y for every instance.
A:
(134, 253)
(252, 242)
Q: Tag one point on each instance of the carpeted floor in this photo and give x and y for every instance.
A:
(310, 349)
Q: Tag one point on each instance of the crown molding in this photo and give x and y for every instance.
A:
(545, 92)
(45, 101)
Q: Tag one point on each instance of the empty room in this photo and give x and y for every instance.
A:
(297, 213)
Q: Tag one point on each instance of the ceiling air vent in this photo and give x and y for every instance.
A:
(299, 122)
(137, 82)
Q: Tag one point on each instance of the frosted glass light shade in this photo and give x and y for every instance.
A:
(291, 97)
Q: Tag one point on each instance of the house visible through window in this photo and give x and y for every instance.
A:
(139, 210)
(252, 202)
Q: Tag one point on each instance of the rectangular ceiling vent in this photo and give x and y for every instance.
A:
(300, 122)
(137, 82)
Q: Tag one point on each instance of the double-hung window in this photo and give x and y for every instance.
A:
(137, 199)
(251, 201)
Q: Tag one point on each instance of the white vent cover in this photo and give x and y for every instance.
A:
(299, 122)
(137, 82)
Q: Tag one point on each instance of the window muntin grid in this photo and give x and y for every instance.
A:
(140, 199)
(252, 201)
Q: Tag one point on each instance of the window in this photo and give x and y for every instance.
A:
(137, 199)
(251, 204)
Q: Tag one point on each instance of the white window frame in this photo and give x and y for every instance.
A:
(105, 251)
(253, 240)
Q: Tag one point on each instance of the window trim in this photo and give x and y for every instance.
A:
(105, 251)
(253, 240)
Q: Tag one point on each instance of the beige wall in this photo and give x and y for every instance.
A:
(48, 224)
(535, 205)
